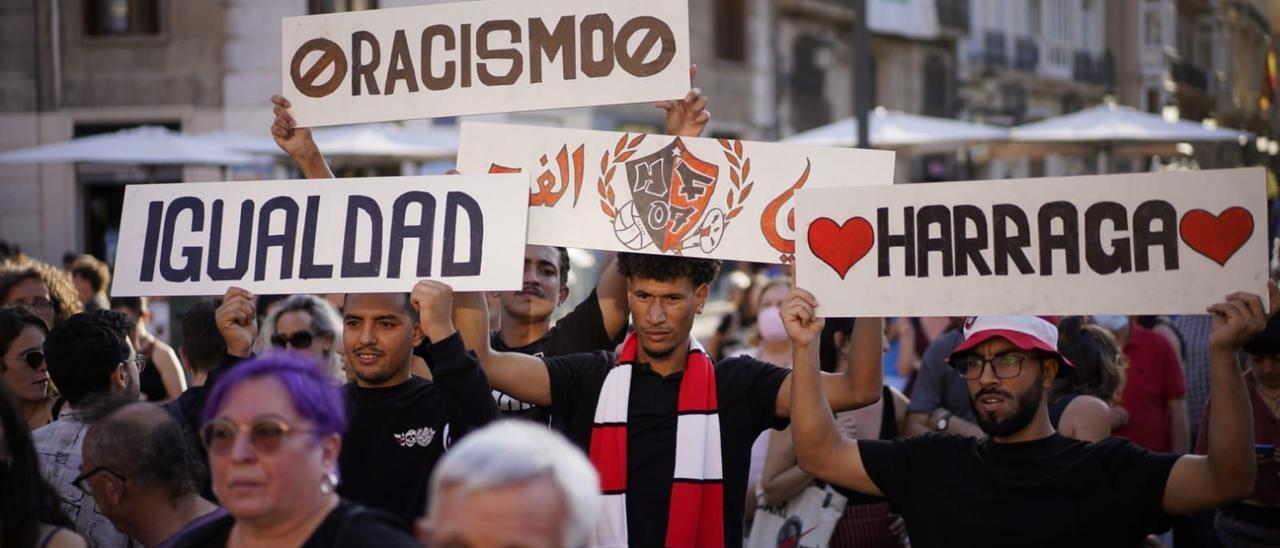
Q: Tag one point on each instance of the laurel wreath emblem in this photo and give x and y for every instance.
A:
(739, 174)
(623, 151)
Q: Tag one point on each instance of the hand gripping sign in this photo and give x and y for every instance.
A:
(484, 56)
(1161, 243)
(720, 198)
(377, 234)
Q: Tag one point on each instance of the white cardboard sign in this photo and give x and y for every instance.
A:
(483, 57)
(378, 234)
(1159, 243)
(720, 198)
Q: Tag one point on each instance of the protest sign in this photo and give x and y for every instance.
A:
(378, 234)
(481, 57)
(1160, 243)
(720, 198)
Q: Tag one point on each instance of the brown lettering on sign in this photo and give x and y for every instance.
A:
(466, 56)
(429, 34)
(401, 67)
(591, 66)
(484, 53)
(558, 43)
(330, 54)
(656, 33)
(360, 68)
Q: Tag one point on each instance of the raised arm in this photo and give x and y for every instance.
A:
(858, 384)
(611, 291)
(464, 385)
(687, 117)
(1227, 472)
(820, 449)
(520, 376)
(297, 142)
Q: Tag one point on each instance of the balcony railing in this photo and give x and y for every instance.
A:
(1091, 68)
(994, 49)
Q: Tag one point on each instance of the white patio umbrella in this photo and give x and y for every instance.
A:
(148, 145)
(894, 129)
(387, 139)
(1111, 122)
(241, 142)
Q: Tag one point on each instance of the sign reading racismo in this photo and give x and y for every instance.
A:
(720, 198)
(335, 236)
(1162, 243)
(484, 56)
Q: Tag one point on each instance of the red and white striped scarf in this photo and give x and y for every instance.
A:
(696, 514)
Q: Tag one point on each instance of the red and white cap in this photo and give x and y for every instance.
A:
(1024, 332)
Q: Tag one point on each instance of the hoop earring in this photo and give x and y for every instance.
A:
(328, 483)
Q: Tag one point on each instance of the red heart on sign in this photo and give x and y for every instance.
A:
(840, 246)
(1217, 237)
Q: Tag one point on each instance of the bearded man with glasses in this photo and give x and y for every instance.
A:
(1027, 485)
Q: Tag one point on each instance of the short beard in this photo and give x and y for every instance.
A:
(1028, 406)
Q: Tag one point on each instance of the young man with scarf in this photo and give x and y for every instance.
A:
(669, 431)
(1027, 485)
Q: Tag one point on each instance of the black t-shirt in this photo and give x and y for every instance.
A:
(396, 435)
(958, 491)
(348, 524)
(746, 393)
(581, 330)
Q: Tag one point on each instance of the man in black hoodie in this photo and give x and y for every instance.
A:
(401, 425)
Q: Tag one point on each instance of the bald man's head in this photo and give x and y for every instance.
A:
(145, 445)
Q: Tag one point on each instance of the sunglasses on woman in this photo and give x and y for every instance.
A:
(34, 359)
(265, 434)
(297, 339)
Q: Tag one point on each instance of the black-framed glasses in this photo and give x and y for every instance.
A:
(34, 359)
(81, 481)
(297, 339)
(265, 434)
(1005, 365)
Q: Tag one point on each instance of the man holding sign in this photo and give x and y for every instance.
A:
(669, 431)
(1026, 485)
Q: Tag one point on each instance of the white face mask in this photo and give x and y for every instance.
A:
(1111, 322)
(770, 324)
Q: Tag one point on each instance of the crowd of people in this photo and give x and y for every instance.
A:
(421, 418)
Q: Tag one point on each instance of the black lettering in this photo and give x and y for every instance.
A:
(401, 66)
(475, 224)
(888, 240)
(1099, 260)
(466, 56)
(422, 231)
(484, 53)
(431, 81)
(309, 270)
(940, 216)
(190, 271)
(154, 212)
(1144, 236)
(969, 248)
(1008, 246)
(559, 42)
(1068, 241)
(243, 239)
(591, 66)
(350, 267)
(361, 69)
(286, 240)
(656, 33)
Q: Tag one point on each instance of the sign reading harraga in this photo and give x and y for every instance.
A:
(482, 57)
(379, 234)
(720, 198)
(1158, 243)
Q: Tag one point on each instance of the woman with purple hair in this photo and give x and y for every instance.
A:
(273, 427)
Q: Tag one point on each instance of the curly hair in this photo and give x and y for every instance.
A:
(665, 268)
(1099, 361)
(61, 291)
(96, 272)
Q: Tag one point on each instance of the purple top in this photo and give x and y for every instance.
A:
(217, 514)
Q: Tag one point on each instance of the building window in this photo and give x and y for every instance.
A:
(731, 29)
(1033, 17)
(332, 6)
(936, 88)
(121, 17)
(1153, 28)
